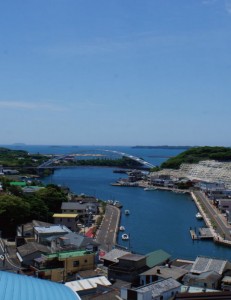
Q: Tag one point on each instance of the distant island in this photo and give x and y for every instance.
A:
(162, 147)
(19, 144)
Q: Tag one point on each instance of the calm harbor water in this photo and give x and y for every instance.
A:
(158, 219)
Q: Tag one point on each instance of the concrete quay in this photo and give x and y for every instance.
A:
(220, 229)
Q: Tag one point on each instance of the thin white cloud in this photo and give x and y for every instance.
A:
(30, 105)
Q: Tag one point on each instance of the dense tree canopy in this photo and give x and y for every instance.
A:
(196, 154)
(17, 208)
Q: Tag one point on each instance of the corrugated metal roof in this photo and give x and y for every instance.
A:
(20, 287)
(18, 183)
(87, 284)
(156, 257)
(52, 229)
(65, 215)
(66, 254)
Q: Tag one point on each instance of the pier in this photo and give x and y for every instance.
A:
(193, 234)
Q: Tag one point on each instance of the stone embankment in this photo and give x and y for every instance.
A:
(219, 227)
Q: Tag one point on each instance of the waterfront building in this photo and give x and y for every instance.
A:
(157, 258)
(206, 272)
(128, 268)
(113, 256)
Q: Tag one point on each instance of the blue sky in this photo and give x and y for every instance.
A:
(115, 72)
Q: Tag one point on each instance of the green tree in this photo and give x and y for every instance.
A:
(13, 211)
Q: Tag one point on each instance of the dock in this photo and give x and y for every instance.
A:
(205, 233)
(193, 234)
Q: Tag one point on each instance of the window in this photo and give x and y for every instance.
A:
(75, 263)
(85, 260)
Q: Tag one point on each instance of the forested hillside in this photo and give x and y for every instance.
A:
(196, 154)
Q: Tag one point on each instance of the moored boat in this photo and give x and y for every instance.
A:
(122, 228)
(151, 188)
(125, 236)
(127, 212)
(199, 216)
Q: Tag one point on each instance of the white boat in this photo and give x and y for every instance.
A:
(125, 236)
(122, 228)
(127, 212)
(199, 216)
(151, 188)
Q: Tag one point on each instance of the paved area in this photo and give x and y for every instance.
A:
(213, 218)
(107, 233)
(8, 259)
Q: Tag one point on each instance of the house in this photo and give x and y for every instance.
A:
(67, 219)
(224, 205)
(25, 232)
(63, 266)
(162, 272)
(10, 172)
(30, 251)
(43, 233)
(211, 186)
(87, 286)
(226, 283)
(206, 272)
(203, 296)
(73, 241)
(209, 279)
(31, 189)
(80, 207)
(160, 290)
(113, 256)
(128, 268)
(203, 264)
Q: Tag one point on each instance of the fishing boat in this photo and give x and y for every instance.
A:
(127, 212)
(122, 228)
(125, 237)
(199, 216)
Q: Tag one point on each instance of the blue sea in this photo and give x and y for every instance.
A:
(157, 220)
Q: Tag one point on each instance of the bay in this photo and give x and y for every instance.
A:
(158, 219)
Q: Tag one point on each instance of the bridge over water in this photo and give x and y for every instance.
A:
(49, 162)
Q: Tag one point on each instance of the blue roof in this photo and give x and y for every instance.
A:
(21, 287)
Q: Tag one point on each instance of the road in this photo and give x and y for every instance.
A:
(6, 262)
(107, 233)
(222, 227)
